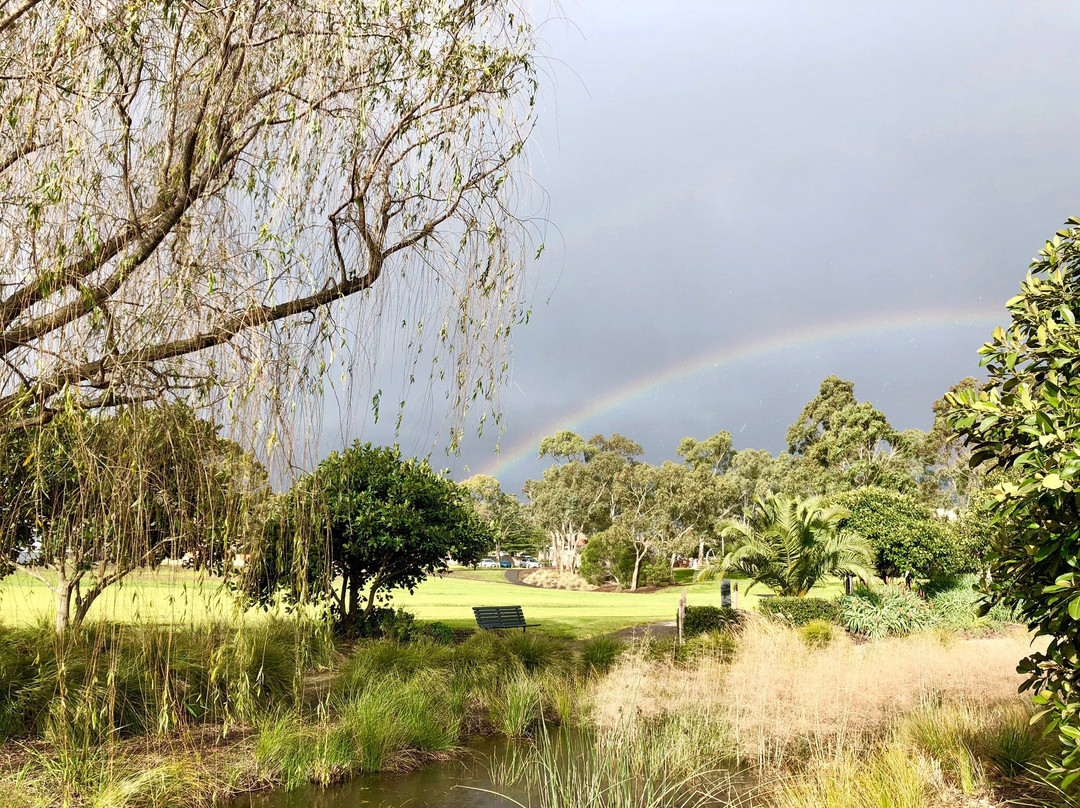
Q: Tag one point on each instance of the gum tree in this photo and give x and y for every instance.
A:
(1025, 421)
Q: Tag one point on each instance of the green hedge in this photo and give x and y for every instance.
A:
(700, 619)
(800, 611)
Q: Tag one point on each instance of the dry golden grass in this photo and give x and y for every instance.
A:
(780, 701)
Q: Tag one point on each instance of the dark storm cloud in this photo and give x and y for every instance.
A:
(721, 172)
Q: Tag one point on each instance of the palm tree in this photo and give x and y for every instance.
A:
(790, 544)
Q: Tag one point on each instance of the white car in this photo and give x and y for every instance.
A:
(528, 562)
(489, 563)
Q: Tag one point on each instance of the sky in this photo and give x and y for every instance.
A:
(745, 197)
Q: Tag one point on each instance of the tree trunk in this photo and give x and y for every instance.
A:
(351, 609)
(82, 606)
(701, 552)
(63, 604)
(637, 569)
(376, 583)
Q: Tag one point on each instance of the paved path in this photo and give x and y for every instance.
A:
(664, 628)
(514, 577)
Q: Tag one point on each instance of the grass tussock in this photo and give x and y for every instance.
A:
(585, 770)
(389, 726)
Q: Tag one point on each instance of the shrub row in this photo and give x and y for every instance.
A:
(800, 611)
(699, 619)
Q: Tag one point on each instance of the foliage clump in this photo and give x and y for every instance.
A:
(818, 633)
(1026, 420)
(365, 522)
(907, 539)
(800, 611)
(701, 619)
(892, 612)
(791, 544)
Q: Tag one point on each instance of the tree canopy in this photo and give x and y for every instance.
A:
(838, 443)
(510, 524)
(373, 521)
(908, 540)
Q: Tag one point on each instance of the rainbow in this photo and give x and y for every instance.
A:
(727, 355)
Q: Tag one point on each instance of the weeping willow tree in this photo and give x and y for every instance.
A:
(217, 202)
(190, 189)
(95, 498)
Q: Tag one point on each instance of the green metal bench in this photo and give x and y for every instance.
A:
(492, 617)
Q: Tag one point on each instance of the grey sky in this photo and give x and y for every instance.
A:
(721, 174)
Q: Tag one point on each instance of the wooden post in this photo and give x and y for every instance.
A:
(735, 595)
(682, 615)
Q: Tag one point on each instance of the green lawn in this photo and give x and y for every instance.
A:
(183, 596)
(168, 595)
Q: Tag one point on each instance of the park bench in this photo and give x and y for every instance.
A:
(491, 617)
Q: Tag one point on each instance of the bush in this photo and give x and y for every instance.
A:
(396, 625)
(608, 557)
(699, 619)
(907, 538)
(893, 612)
(800, 611)
(652, 574)
(818, 633)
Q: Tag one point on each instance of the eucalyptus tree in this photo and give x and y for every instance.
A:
(189, 189)
(790, 545)
(947, 477)
(509, 522)
(640, 512)
(838, 443)
(576, 495)
(720, 483)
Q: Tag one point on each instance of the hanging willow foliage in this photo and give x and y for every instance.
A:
(189, 189)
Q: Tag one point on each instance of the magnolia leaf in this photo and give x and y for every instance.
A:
(1052, 481)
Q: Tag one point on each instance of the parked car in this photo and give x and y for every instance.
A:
(528, 562)
(506, 563)
(489, 563)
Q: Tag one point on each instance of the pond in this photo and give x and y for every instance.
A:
(464, 782)
(469, 781)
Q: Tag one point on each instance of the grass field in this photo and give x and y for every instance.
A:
(181, 596)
